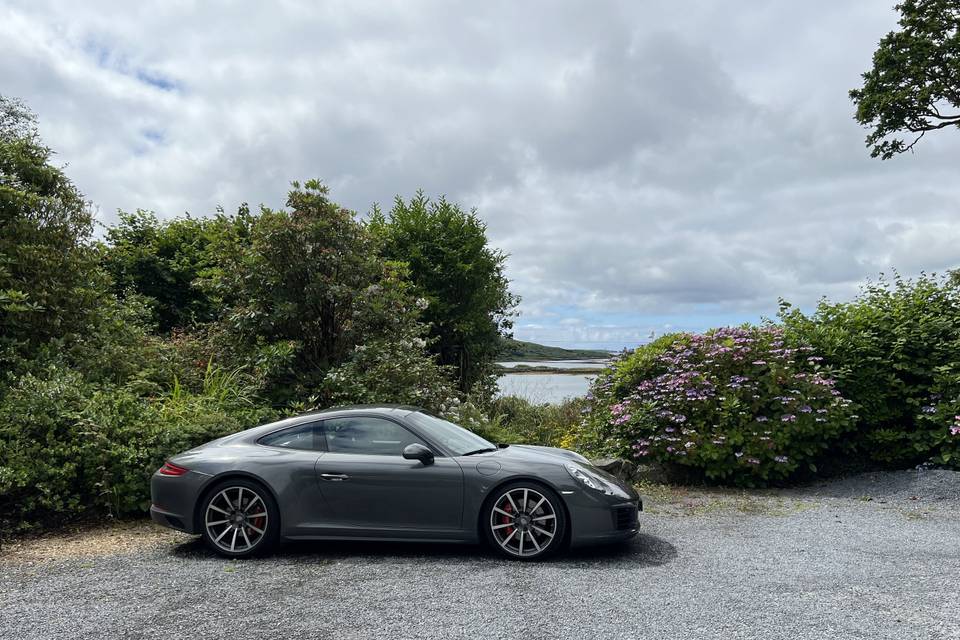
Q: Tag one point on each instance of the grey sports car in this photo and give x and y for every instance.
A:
(388, 473)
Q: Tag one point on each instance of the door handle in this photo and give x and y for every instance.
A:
(335, 477)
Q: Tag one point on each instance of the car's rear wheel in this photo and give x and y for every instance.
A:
(524, 521)
(240, 519)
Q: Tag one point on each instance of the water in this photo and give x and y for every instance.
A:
(558, 364)
(540, 388)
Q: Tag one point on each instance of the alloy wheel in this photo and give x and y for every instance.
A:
(236, 519)
(523, 522)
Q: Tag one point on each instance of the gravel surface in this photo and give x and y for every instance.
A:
(874, 556)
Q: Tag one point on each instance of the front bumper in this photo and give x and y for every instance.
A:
(600, 519)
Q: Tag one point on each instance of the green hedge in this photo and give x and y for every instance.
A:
(895, 352)
(71, 448)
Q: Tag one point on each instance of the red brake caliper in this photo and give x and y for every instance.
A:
(257, 522)
(507, 519)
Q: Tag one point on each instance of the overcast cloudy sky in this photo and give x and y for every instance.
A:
(648, 165)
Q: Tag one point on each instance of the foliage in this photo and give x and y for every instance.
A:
(392, 366)
(459, 274)
(915, 79)
(515, 420)
(389, 370)
(548, 424)
(50, 287)
(72, 447)
(734, 405)
(298, 278)
(938, 423)
(889, 348)
(163, 262)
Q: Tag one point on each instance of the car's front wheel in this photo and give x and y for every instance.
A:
(240, 519)
(524, 521)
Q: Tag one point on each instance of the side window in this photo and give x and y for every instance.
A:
(370, 436)
(307, 436)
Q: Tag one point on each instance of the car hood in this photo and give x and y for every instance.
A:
(539, 453)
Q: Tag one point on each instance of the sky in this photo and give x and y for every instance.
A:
(648, 166)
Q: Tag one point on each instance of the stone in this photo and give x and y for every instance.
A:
(618, 467)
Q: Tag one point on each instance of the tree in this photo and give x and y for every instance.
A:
(914, 85)
(391, 364)
(163, 261)
(50, 281)
(298, 279)
(310, 280)
(461, 276)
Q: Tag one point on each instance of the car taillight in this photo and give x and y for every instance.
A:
(170, 469)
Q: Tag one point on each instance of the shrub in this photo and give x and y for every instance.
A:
(887, 349)
(938, 421)
(391, 371)
(523, 422)
(70, 448)
(515, 420)
(733, 405)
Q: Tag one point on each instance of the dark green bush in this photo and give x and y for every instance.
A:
(71, 448)
(889, 349)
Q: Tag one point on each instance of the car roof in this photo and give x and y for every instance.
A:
(377, 409)
(396, 410)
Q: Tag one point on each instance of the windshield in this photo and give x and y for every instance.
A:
(454, 438)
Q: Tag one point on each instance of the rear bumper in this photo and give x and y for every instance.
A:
(174, 499)
(173, 520)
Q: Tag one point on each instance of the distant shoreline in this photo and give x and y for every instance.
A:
(539, 370)
(520, 351)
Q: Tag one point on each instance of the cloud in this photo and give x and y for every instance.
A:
(644, 166)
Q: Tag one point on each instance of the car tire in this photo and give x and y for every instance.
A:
(239, 518)
(524, 520)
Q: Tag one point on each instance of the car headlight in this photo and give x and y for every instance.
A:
(588, 479)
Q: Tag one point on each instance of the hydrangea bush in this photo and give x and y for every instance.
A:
(735, 405)
(939, 422)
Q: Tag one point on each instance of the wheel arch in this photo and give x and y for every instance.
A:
(523, 478)
(231, 475)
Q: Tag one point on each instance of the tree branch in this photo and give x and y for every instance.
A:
(909, 147)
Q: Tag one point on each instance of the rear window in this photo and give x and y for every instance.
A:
(308, 437)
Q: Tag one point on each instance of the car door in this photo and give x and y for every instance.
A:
(367, 485)
(288, 463)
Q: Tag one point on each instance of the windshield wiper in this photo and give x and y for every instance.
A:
(486, 450)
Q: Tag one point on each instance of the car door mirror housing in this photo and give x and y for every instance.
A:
(417, 451)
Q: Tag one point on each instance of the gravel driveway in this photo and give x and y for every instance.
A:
(874, 556)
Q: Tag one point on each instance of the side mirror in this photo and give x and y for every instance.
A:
(417, 451)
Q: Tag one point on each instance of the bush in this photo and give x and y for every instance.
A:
(889, 349)
(390, 371)
(546, 424)
(733, 405)
(515, 420)
(72, 449)
(938, 422)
